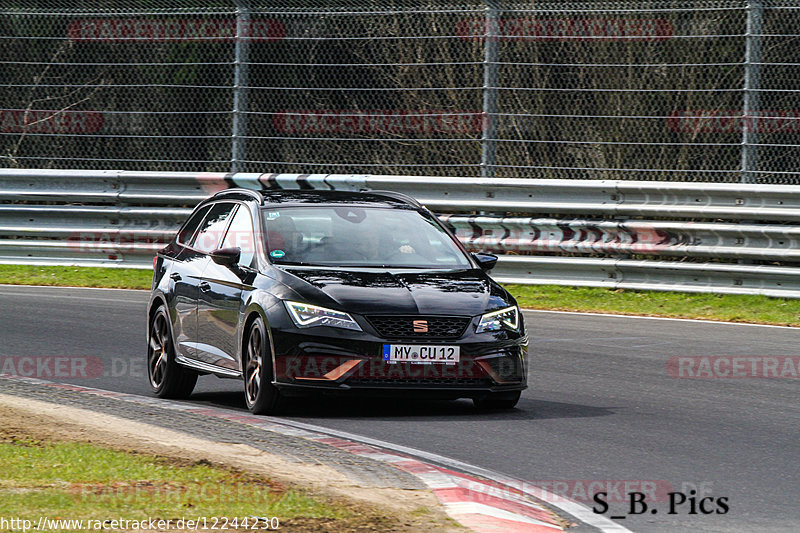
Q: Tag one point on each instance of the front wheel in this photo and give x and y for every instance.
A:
(497, 400)
(167, 378)
(259, 392)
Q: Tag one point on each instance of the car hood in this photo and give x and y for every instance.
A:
(461, 292)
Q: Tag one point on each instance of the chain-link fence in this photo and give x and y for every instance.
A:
(641, 89)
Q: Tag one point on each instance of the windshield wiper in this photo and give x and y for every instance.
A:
(297, 263)
(384, 266)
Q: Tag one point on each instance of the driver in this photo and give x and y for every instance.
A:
(368, 242)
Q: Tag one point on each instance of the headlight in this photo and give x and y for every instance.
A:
(507, 318)
(307, 316)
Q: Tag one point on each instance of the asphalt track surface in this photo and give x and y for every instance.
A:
(601, 405)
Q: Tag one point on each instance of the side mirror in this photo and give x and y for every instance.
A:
(226, 256)
(485, 261)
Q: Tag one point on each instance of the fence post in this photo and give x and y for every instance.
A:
(488, 143)
(240, 86)
(752, 82)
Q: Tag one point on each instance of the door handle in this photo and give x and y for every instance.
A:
(175, 276)
(204, 286)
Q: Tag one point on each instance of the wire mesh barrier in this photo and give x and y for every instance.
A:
(703, 90)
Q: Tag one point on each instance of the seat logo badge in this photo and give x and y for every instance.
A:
(420, 326)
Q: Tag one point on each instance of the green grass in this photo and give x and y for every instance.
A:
(85, 481)
(118, 278)
(727, 307)
(734, 308)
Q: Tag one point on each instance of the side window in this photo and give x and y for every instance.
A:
(213, 227)
(240, 235)
(186, 232)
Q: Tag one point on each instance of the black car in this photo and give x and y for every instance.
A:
(305, 291)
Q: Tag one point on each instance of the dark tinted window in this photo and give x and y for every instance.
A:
(190, 226)
(213, 227)
(356, 236)
(240, 235)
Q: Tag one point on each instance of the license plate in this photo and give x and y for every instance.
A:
(421, 354)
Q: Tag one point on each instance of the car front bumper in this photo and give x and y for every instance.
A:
(332, 359)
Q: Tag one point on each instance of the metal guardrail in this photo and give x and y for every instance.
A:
(719, 278)
(625, 234)
(633, 237)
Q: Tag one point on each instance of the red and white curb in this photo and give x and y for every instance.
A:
(482, 501)
(473, 502)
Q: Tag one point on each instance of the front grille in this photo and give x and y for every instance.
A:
(422, 382)
(403, 327)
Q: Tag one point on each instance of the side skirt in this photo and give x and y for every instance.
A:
(208, 368)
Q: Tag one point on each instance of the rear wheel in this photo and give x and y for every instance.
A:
(259, 392)
(497, 400)
(167, 378)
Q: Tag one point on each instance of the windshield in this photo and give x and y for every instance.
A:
(358, 237)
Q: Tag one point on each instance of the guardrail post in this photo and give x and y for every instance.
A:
(240, 86)
(488, 142)
(752, 81)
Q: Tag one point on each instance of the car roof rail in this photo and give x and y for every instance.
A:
(396, 195)
(240, 192)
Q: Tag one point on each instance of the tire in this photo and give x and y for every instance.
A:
(167, 378)
(260, 394)
(497, 400)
